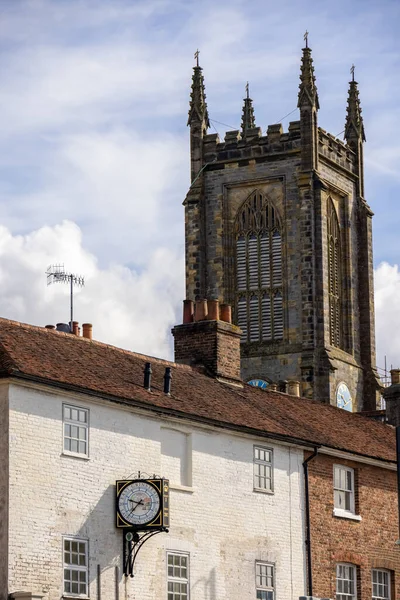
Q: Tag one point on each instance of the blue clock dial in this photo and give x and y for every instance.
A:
(258, 383)
(343, 397)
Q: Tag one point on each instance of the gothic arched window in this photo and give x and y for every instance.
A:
(259, 292)
(334, 276)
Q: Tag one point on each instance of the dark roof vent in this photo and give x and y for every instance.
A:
(64, 327)
(147, 376)
(167, 381)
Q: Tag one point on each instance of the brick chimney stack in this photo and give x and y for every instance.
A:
(207, 339)
(391, 395)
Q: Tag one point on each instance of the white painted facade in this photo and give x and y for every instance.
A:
(217, 519)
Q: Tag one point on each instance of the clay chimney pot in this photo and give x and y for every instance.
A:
(226, 313)
(395, 376)
(293, 388)
(201, 310)
(87, 330)
(213, 310)
(50, 326)
(75, 327)
(187, 311)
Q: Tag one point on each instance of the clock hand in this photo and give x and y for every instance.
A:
(137, 503)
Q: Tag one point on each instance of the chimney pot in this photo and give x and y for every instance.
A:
(213, 310)
(272, 387)
(201, 310)
(395, 376)
(187, 311)
(294, 388)
(282, 386)
(64, 327)
(50, 326)
(226, 313)
(75, 327)
(87, 330)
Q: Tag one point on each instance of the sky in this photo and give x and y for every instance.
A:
(94, 147)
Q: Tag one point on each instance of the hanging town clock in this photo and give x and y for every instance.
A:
(343, 397)
(258, 383)
(143, 503)
(142, 510)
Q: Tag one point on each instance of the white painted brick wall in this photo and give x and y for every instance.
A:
(220, 522)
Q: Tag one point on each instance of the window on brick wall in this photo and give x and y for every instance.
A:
(177, 576)
(346, 584)
(75, 567)
(344, 493)
(263, 469)
(380, 584)
(265, 585)
(259, 279)
(76, 430)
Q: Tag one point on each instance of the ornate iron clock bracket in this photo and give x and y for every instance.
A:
(133, 541)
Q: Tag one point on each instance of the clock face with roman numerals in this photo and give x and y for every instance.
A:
(343, 397)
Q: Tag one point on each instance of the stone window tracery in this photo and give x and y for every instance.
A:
(259, 281)
(334, 276)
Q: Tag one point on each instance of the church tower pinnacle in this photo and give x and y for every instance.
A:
(198, 118)
(308, 103)
(248, 120)
(354, 128)
(308, 94)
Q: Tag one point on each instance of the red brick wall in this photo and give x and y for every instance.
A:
(215, 344)
(369, 543)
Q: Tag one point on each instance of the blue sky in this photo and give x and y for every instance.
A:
(94, 145)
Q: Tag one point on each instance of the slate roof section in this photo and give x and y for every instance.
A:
(79, 364)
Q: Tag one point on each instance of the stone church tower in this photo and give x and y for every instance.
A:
(278, 227)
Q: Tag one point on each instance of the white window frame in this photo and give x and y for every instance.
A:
(339, 491)
(179, 580)
(381, 596)
(77, 568)
(69, 421)
(267, 592)
(346, 595)
(260, 466)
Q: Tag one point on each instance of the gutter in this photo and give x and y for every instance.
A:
(308, 526)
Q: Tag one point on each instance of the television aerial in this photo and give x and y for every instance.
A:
(57, 274)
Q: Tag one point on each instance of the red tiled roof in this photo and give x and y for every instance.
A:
(89, 366)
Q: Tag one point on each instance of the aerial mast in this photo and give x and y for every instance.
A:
(57, 274)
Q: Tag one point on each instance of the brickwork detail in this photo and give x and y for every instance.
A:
(369, 543)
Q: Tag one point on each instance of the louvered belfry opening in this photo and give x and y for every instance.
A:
(259, 287)
(334, 276)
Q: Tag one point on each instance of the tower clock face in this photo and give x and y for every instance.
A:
(343, 397)
(258, 383)
(139, 503)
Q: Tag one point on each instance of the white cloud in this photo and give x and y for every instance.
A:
(387, 310)
(128, 309)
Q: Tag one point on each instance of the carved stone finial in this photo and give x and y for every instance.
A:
(306, 38)
(198, 106)
(248, 120)
(352, 72)
(308, 94)
(354, 127)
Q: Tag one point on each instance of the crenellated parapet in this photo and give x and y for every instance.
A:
(253, 145)
(336, 150)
